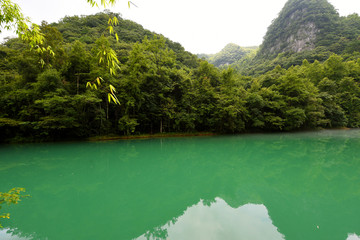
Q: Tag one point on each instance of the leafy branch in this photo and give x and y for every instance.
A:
(106, 3)
(11, 197)
(111, 90)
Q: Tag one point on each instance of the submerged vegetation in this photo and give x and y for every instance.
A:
(162, 88)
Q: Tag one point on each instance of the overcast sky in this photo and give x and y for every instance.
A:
(201, 26)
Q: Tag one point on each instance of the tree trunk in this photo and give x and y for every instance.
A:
(161, 126)
(77, 84)
(100, 120)
(107, 110)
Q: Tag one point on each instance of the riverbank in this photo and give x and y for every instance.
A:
(146, 136)
(113, 137)
(195, 134)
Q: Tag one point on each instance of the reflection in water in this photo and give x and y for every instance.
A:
(219, 221)
(13, 234)
(353, 236)
(309, 183)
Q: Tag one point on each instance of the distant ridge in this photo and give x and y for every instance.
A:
(230, 54)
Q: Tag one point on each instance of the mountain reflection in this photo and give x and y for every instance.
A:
(218, 221)
(353, 236)
(14, 234)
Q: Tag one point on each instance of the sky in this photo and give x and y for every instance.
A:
(200, 26)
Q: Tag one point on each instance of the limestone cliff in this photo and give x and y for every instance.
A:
(301, 25)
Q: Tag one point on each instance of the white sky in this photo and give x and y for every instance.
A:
(201, 26)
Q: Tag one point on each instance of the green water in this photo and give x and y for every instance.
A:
(263, 186)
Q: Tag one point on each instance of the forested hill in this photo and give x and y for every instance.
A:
(230, 54)
(160, 88)
(302, 25)
(88, 29)
(305, 29)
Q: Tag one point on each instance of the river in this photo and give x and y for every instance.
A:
(259, 186)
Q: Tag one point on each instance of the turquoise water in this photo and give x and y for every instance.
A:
(261, 186)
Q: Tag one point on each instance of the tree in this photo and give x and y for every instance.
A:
(206, 79)
(11, 17)
(230, 113)
(152, 69)
(107, 60)
(54, 40)
(334, 68)
(78, 67)
(349, 100)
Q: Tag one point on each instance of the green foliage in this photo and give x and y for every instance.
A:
(311, 21)
(8, 122)
(230, 113)
(159, 87)
(152, 70)
(311, 30)
(104, 3)
(11, 17)
(230, 54)
(127, 124)
(48, 81)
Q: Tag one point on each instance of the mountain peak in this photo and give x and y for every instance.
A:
(301, 25)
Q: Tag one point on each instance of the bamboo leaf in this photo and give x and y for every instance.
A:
(117, 100)
(42, 62)
(112, 88)
(115, 21)
(112, 97)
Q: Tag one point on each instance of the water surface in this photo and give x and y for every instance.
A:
(262, 186)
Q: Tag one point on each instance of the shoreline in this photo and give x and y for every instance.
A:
(113, 137)
(196, 134)
(148, 136)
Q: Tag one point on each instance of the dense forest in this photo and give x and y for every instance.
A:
(163, 88)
